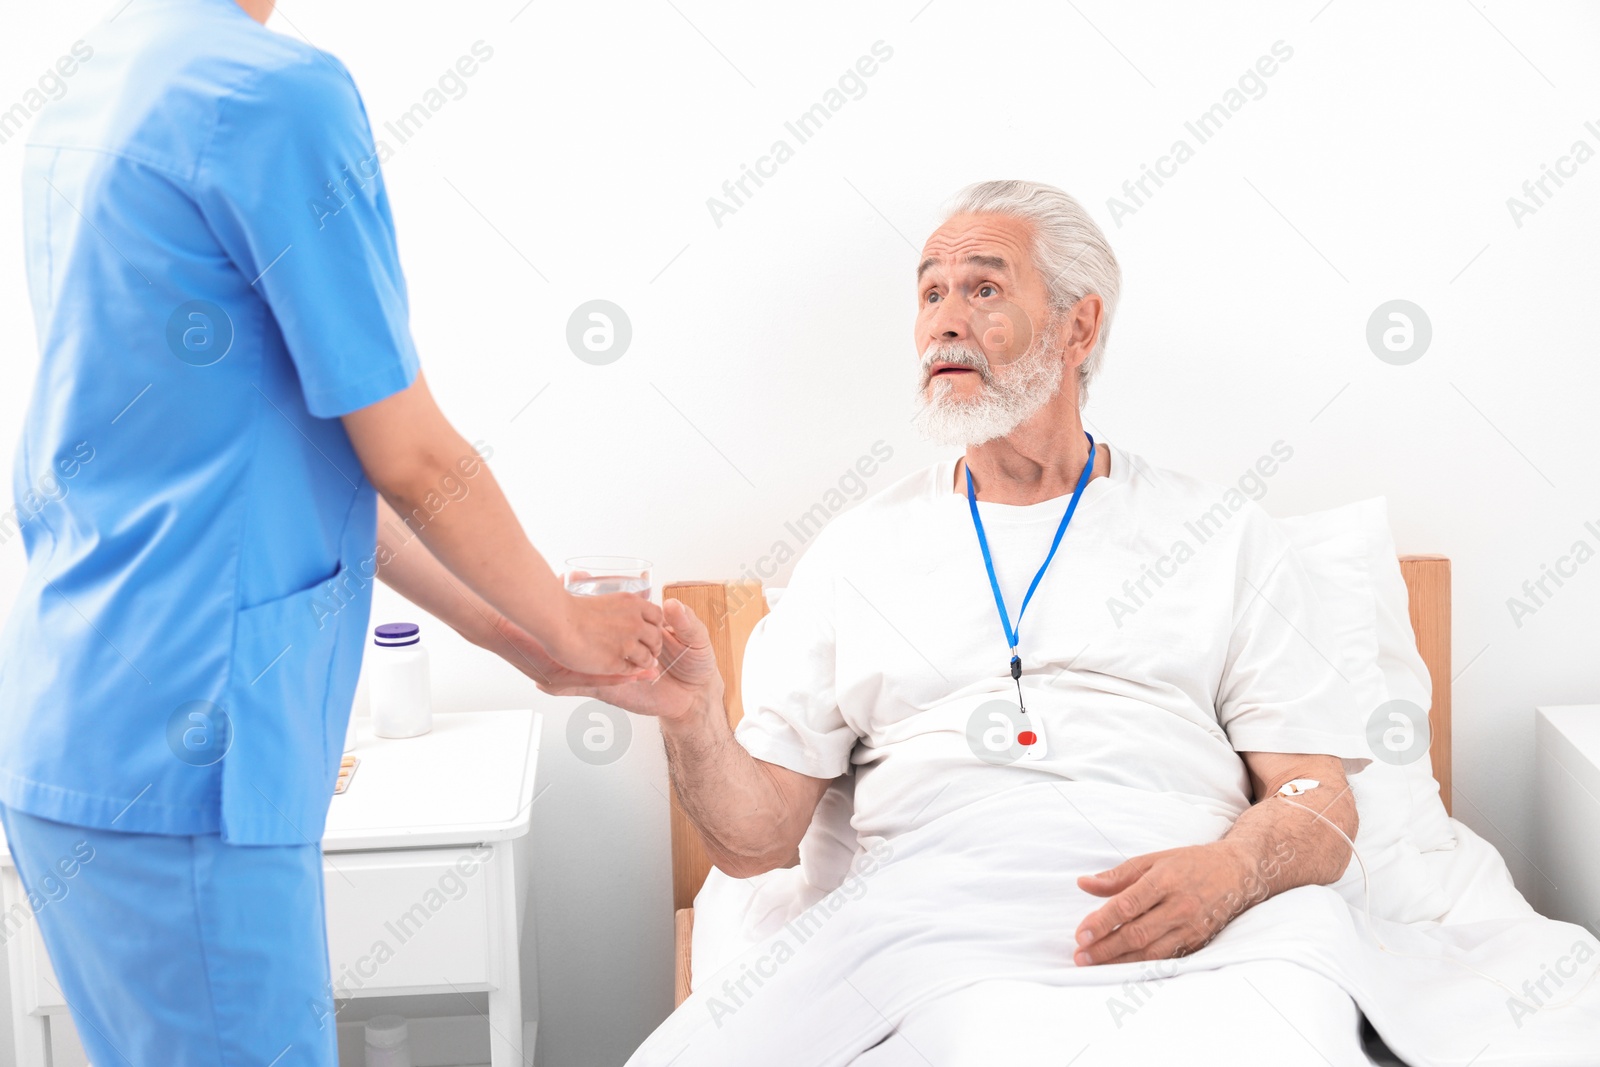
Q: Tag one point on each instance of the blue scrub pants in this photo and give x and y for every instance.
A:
(182, 951)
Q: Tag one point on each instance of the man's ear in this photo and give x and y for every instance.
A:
(1082, 328)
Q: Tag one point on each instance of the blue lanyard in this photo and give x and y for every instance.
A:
(988, 560)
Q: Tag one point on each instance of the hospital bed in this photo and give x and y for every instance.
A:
(731, 611)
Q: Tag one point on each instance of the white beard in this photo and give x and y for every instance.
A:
(999, 408)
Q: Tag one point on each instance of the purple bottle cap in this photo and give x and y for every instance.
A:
(395, 634)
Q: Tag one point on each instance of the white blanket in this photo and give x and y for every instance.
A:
(914, 956)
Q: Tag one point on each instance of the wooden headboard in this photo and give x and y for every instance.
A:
(731, 610)
(1428, 589)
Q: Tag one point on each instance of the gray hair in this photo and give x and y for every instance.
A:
(1068, 249)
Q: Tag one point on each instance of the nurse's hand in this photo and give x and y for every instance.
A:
(525, 652)
(688, 677)
(616, 633)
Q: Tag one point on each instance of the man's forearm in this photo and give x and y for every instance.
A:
(1285, 845)
(747, 821)
(1174, 902)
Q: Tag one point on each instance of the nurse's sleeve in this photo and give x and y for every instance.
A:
(1281, 690)
(791, 712)
(290, 184)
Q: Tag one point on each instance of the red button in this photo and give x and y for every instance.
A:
(1026, 738)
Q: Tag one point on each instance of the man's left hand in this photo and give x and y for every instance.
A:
(1166, 904)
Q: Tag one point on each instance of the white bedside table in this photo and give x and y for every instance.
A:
(425, 855)
(1567, 820)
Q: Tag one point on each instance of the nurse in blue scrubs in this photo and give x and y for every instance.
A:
(227, 385)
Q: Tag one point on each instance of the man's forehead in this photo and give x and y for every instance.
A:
(986, 240)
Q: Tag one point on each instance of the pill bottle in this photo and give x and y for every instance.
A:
(399, 689)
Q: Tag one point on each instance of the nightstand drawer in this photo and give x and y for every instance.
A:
(408, 918)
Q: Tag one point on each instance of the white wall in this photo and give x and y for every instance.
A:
(772, 351)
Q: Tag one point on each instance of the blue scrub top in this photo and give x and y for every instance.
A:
(214, 279)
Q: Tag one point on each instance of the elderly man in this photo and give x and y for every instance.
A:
(1055, 777)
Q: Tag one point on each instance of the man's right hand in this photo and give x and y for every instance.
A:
(751, 814)
(617, 633)
(688, 677)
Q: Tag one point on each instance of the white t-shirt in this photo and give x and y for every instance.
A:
(1175, 628)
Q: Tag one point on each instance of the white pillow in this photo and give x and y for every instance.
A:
(732, 914)
(1349, 554)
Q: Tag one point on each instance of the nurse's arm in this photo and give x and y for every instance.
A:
(415, 459)
(406, 566)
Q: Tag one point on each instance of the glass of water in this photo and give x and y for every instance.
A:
(599, 575)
